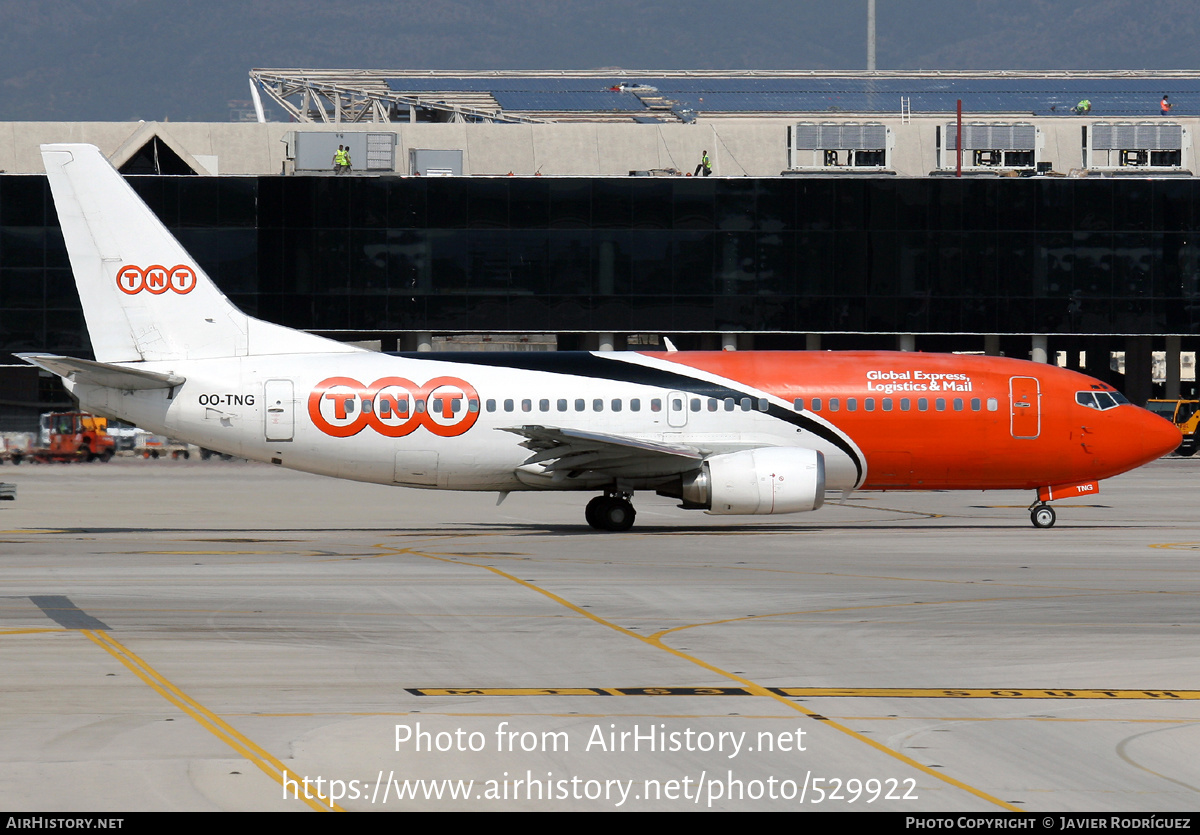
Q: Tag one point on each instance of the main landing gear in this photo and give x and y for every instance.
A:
(611, 512)
(1042, 515)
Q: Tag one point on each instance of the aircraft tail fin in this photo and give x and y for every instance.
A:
(144, 297)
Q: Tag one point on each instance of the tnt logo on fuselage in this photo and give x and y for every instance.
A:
(393, 406)
(156, 279)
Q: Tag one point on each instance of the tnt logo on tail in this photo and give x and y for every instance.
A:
(156, 279)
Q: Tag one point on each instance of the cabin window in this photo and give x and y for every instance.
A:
(490, 405)
(616, 404)
(526, 405)
(729, 404)
(695, 404)
(597, 405)
(993, 404)
(905, 404)
(958, 404)
(368, 406)
(746, 404)
(580, 405)
(869, 404)
(887, 404)
(764, 405)
(940, 403)
(635, 404)
(437, 405)
(472, 405)
(562, 404)
(851, 404)
(455, 405)
(798, 404)
(976, 404)
(656, 405)
(544, 404)
(508, 405)
(712, 404)
(816, 404)
(834, 403)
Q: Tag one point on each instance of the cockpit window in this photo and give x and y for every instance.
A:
(1100, 400)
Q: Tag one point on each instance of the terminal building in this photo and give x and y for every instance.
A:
(565, 210)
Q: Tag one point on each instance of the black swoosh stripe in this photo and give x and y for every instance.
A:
(585, 364)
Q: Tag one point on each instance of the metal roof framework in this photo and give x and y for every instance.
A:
(513, 96)
(363, 96)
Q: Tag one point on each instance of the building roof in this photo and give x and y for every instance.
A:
(639, 95)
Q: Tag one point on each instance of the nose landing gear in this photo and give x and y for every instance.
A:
(610, 512)
(1042, 515)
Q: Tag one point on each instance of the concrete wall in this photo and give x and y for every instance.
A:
(737, 149)
(240, 148)
(755, 147)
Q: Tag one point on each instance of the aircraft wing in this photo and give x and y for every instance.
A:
(573, 452)
(90, 373)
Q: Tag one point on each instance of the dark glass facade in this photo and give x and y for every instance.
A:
(373, 256)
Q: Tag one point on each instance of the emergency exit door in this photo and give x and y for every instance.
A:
(677, 406)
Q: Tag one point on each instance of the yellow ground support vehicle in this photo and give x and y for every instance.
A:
(1183, 413)
(66, 436)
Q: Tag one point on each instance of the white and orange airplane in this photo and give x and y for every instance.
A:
(724, 432)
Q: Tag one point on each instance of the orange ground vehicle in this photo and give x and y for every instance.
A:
(74, 436)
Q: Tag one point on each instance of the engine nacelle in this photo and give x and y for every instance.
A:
(758, 481)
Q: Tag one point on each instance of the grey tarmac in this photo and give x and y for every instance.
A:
(208, 635)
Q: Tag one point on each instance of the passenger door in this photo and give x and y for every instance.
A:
(1024, 396)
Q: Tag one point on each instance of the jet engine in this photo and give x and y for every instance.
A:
(757, 481)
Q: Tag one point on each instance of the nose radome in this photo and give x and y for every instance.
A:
(1158, 435)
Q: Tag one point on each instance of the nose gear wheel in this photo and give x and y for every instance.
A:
(1042, 515)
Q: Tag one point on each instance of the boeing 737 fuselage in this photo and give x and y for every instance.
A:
(736, 433)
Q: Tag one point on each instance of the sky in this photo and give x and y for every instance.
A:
(188, 60)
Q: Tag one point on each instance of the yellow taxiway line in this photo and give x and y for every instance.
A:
(218, 727)
(753, 688)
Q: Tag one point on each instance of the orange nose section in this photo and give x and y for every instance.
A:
(1132, 437)
(1155, 437)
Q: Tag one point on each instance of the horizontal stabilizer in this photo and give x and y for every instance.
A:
(89, 373)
